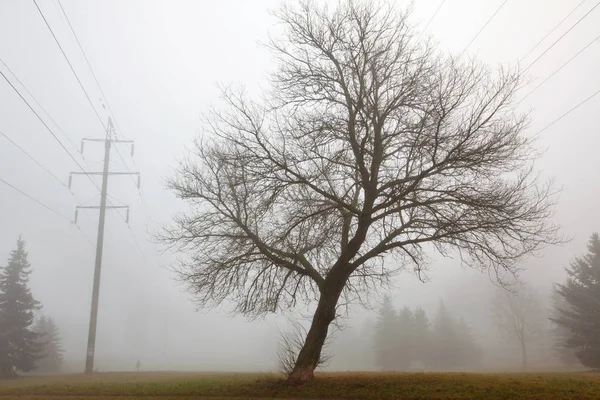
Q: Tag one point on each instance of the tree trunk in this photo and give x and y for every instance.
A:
(524, 354)
(310, 354)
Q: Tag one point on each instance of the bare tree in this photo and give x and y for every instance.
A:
(368, 144)
(519, 316)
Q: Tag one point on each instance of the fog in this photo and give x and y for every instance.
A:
(159, 64)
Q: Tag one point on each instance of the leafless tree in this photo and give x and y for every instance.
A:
(519, 316)
(368, 144)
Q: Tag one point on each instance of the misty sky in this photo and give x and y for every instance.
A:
(159, 63)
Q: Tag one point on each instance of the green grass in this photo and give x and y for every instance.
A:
(407, 386)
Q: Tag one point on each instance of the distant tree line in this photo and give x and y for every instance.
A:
(26, 344)
(406, 339)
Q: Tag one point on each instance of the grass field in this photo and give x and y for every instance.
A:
(413, 386)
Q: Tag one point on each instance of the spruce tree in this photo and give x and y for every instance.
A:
(51, 356)
(405, 340)
(19, 348)
(423, 350)
(386, 336)
(470, 354)
(446, 344)
(565, 354)
(581, 316)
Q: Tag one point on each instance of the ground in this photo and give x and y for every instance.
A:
(407, 386)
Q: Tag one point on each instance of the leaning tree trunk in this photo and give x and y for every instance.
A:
(310, 354)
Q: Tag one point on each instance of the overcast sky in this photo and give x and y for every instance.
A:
(159, 63)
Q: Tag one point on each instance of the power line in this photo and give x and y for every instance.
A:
(116, 201)
(80, 84)
(38, 103)
(87, 239)
(77, 77)
(45, 169)
(568, 112)
(87, 61)
(69, 62)
(75, 73)
(123, 160)
(135, 241)
(434, 15)
(51, 132)
(131, 231)
(47, 127)
(145, 205)
(51, 119)
(47, 208)
(86, 94)
(44, 122)
(562, 36)
(36, 200)
(106, 99)
(553, 29)
(560, 68)
(33, 159)
(483, 27)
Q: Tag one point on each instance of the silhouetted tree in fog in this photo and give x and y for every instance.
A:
(386, 336)
(561, 334)
(470, 355)
(581, 313)
(369, 143)
(422, 343)
(445, 341)
(19, 348)
(405, 340)
(51, 355)
(519, 316)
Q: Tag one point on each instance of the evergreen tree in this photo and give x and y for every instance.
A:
(19, 348)
(422, 342)
(386, 336)
(470, 354)
(366, 353)
(51, 356)
(405, 340)
(446, 344)
(581, 317)
(565, 354)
